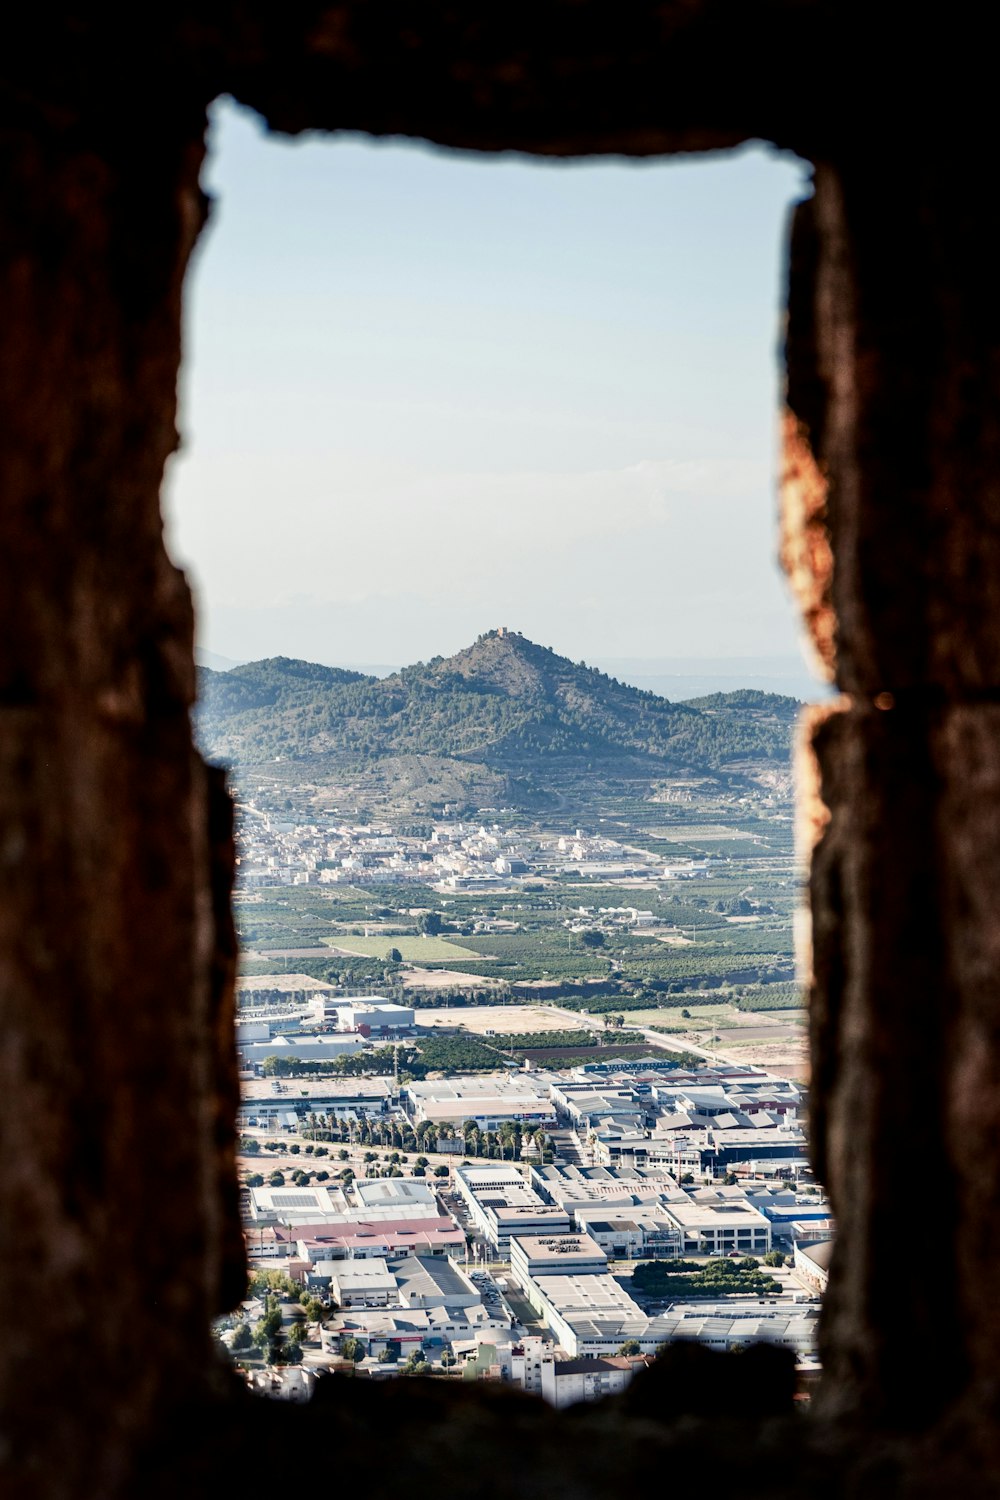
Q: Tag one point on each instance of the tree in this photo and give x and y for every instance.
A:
(242, 1338)
(386, 1356)
(687, 1177)
(440, 1171)
(630, 1346)
(430, 923)
(774, 1258)
(277, 1179)
(297, 1332)
(352, 1349)
(343, 1155)
(592, 937)
(394, 956)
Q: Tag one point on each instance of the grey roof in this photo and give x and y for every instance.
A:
(429, 1276)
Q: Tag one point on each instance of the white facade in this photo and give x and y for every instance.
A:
(363, 1283)
(502, 1204)
(489, 1098)
(301, 1049)
(720, 1228)
(379, 1015)
(554, 1255)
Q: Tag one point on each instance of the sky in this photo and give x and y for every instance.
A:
(426, 393)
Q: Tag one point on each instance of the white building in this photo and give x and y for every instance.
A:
(313, 1204)
(812, 1261)
(554, 1255)
(489, 1099)
(719, 1228)
(388, 1194)
(502, 1204)
(301, 1048)
(363, 1283)
(571, 1381)
(593, 1314)
(429, 1281)
(381, 1017)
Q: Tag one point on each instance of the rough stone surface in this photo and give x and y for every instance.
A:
(117, 952)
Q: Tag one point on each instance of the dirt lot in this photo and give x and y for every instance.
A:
(776, 1040)
(499, 1018)
(445, 979)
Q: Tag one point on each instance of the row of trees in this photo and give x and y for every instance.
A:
(416, 1362)
(717, 1278)
(509, 1143)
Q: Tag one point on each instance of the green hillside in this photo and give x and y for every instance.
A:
(503, 702)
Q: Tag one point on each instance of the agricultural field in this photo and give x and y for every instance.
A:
(420, 949)
(698, 1018)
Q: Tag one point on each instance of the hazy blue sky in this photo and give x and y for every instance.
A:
(428, 393)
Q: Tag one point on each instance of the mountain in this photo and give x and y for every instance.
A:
(214, 660)
(750, 703)
(502, 702)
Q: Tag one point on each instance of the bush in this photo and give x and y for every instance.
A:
(242, 1338)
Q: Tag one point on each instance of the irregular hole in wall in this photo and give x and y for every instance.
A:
(427, 391)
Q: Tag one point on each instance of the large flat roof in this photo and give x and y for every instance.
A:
(290, 1091)
(373, 1273)
(473, 1106)
(392, 1192)
(596, 1294)
(715, 1215)
(558, 1248)
(474, 1086)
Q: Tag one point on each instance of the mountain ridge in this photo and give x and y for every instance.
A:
(501, 702)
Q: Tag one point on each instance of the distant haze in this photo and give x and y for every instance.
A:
(431, 393)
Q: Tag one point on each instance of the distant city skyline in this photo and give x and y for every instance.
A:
(426, 393)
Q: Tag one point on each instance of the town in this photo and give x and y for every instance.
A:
(521, 1103)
